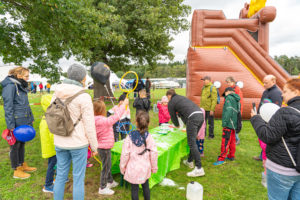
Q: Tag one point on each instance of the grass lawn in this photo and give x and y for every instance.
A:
(240, 179)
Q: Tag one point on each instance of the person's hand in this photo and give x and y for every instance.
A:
(126, 102)
(253, 113)
(12, 129)
(94, 153)
(211, 113)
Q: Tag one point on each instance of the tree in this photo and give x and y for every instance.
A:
(115, 32)
(291, 65)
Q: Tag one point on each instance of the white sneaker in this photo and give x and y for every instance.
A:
(196, 172)
(106, 191)
(189, 164)
(264, 180)
(113, 184)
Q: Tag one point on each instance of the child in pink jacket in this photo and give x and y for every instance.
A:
(163, 112)
(139, 157)
(105, 137)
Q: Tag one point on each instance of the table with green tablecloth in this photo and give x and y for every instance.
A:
(171, 148)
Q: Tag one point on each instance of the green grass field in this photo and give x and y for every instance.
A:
(240, 179)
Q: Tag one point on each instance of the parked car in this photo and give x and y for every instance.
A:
(166, 84)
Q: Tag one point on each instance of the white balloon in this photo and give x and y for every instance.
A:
(267, 110)
(240, 84)
(217, 84)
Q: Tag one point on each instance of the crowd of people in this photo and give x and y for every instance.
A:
(96, 129)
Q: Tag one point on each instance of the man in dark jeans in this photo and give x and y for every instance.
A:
(139, 87)
(192, 116)
(271, 95)
(209, 97)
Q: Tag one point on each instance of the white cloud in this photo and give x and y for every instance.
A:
(284, 30)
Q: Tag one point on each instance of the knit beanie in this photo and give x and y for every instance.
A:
(76, 72)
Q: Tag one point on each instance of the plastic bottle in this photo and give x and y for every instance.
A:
(194, 191)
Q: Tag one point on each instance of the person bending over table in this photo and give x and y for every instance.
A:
(192, 116)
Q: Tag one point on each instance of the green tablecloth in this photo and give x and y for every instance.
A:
(171, 148)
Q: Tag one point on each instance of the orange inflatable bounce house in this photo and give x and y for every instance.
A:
(221, 47)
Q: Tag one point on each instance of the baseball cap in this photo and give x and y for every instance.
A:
(227, 89)
(206, 78)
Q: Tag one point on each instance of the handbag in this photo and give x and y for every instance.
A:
(9, 137)
(297, 162)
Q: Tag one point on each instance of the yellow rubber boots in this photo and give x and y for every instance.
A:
(19, 174)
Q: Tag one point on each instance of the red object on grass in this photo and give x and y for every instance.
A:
(9, 136)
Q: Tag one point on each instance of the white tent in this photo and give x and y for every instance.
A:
(36, 78)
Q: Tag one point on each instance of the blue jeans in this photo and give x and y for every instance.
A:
(282, 187)
(50, 171)
(64, 157)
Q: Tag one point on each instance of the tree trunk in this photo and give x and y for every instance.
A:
(100, 91)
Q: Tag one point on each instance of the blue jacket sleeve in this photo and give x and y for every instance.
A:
(8, 94)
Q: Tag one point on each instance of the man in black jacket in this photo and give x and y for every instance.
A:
(192, 116)
(272, 94)
(139, 87)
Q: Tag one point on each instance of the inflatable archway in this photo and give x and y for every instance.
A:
(221, 47)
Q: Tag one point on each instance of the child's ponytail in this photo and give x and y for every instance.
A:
(142, 120)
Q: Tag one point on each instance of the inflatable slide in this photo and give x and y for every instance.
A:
(221, 47)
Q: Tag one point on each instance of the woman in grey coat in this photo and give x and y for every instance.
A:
(17, 113)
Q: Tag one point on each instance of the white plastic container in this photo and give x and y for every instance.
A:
(194, 191)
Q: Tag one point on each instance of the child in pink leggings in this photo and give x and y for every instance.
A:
(264, 158)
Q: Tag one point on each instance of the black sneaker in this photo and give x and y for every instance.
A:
(231, 159)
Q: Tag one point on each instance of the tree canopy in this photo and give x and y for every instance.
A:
(116, 32)
(290, 64)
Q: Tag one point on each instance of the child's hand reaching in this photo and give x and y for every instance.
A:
(126, 102)
(94, 153)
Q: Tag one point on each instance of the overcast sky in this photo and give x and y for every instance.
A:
(284, 30)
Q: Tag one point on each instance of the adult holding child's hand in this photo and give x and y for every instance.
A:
(282, 136)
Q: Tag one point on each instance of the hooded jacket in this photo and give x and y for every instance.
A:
(163, 113)
(16, 104)
(84, 133)
(142, 104)
(209, 98)
(47, 138)
(138, 168)
(230, 110)
(183, 106)
(104, 128)
(284, 123)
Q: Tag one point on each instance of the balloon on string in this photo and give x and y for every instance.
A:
(267, 110)
(240, 84)
(217, 84)
(24, 133)
(100, 72)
